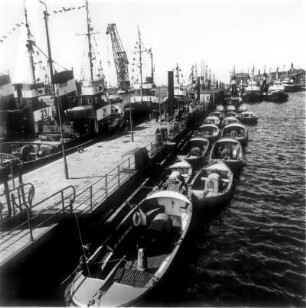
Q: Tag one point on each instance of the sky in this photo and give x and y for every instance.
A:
(222, 33)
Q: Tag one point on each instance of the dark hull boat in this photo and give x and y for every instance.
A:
(236, 131)
(137, 255)
(248, 118)
(230, 152)
(212, 186)
(277, 96)
(253, 97)
(198, 146)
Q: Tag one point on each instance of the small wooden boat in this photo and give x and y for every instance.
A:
(248, 118)
(236, 131)
(230, 108)
(229, 151)
(231, 114)
(242, 108)
(220, 108)
(184, 168)
(209, 131)
(218, 114)
(136, 256)
(212, 185)
(198, 150)
(229, 120)
(212, 120)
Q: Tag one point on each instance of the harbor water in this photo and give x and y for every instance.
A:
(252, 253)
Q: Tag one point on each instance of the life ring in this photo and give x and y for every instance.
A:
(136, 219)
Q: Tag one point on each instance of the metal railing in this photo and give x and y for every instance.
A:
(51, 209)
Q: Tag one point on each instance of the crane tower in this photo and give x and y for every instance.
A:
(120, 58)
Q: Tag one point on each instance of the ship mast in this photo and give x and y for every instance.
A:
(89, 43)
(140, 63)
(177, 74)
(30, 43)
(46, 14)
(152, 67)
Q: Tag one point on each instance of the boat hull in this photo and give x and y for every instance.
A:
(253, 97)
(277, 97)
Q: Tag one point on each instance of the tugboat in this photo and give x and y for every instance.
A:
(276, 92)
(94, 114)
(252, 93)
(144, 99)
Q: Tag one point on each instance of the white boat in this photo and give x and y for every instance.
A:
(229, 120)
(220, 108)
(184, 168)
(230, 108)
(212, 186)
(212, 120)
(277, 86)
(198, 146)
(136, 256)
(230, 152)
(218, 114)
(209, 131)
(242, 108)
(236, 131)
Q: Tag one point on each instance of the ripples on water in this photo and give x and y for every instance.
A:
(253, 252)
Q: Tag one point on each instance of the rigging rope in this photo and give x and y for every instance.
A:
(83, 250)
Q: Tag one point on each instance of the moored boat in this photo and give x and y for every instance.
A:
(220, 108)
(248, 118)
(229, 120)
(209, 131)
(252, 93)
(230, 108)
(242, 108)
(184, 168)
(212, 120)
(218, 114)
(136, 256)
(212, 185)
(236, 131)
(230, 152)
(231, 114)
(198, 146)
(277, 96)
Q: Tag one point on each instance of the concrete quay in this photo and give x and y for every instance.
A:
(85, 187)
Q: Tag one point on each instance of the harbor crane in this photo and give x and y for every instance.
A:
(120, 58)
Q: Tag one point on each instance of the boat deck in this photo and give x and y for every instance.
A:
(130, 275)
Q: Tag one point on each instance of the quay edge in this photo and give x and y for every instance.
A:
(34, 274)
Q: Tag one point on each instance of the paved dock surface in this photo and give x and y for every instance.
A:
(85, 168)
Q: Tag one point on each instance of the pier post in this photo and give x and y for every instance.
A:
(118, 175)
(7, 195)
(90, 198)
(63, 201)
(106, 191)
